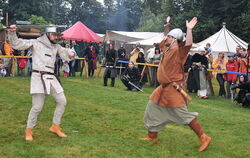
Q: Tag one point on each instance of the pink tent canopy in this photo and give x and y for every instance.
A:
(79, 32)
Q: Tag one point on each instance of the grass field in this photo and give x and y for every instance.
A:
(105, 122)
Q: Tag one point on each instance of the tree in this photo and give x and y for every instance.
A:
(90, 12)
(153, 5)
(210, 15)
(150, 22)
(23, 9)
(60, 12)
(37, 20)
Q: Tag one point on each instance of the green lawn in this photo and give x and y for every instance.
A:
(106, 122)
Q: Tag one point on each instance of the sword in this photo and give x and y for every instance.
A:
(135, 86)
(132, 84)
(178, 88)
(114, 67)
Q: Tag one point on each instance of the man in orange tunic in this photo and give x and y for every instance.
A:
(167, 104)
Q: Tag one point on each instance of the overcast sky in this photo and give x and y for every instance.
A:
(100, 1)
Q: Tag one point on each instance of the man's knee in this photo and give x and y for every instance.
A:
(61, 99)
(36, 109)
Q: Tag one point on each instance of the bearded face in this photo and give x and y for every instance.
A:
(169, 40)
(52, 37)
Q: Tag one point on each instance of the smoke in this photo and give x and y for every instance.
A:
(119, 20)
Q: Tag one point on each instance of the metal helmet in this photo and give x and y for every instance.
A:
(52, 29)
(177, 34)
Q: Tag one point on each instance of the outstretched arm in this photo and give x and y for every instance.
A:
(190, 25)
(65, 53)
(167, 26)
(18, 43)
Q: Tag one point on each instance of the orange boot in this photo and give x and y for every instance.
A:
(152, 136)
(205, 141)
(57, 130)
(28, 134)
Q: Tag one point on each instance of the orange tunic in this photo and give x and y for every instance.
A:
(243, 65)
(171, 70)
(7, 49)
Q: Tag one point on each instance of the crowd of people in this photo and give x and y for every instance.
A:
(226, 70)
(197, 76)
(69, 68)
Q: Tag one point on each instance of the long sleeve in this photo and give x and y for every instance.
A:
(18, 43)
(215, 64)
(64, 53)
(236, 69)
(166, 29)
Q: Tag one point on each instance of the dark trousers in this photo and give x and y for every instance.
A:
(91, 72)
(72, 71)
(129, 86)
(105, 81)
(221, 82)
(126, 83)
(229, 83)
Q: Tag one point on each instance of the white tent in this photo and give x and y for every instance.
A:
(149, 42)
(126, 37)
(222, 41)
(156, 39)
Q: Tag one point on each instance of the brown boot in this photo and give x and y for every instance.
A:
(152, 136)
(57, 130)
(204, 139)
(28, 134)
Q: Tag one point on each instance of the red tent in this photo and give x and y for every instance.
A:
(80, 32)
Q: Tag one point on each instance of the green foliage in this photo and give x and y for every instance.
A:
(140, 15)
(210, 14)
(1, 26)
(23, 9)
(37, 20)
(149, 21)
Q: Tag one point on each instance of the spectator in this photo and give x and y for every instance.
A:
(122, 56)
(243, 61)
(131, 77)
(220, 64)
(208, 48)
(22, 63)
(91, 57)
(65, 68)
(200, 64)
(8, 61)
(141, 59)
(238, 48)
(79, 53)
(209, 55)
(231, 66)
(110, 64)
(2, 68)
(151, 53)
(135, 53)
(243, 96)
(7, 48)
(29, 62)
(73, 64)
(156, 61)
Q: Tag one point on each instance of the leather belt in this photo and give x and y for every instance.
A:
(46, 73)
